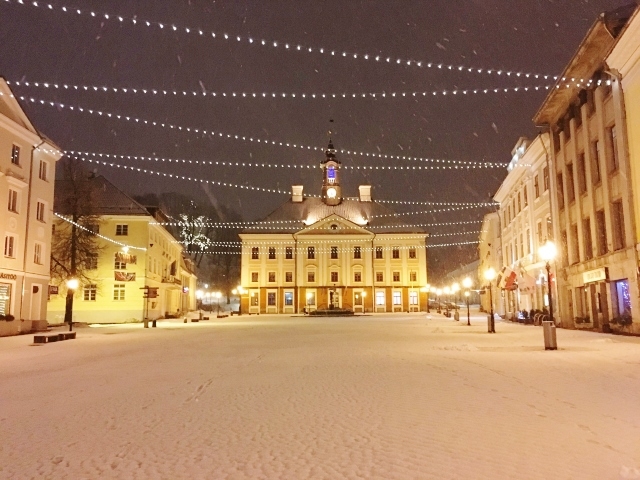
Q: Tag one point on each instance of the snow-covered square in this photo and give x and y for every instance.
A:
(382, 396)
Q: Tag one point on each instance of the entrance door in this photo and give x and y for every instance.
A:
(36, 302)
(334, 299)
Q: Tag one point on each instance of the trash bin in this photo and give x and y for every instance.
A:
(549, 330)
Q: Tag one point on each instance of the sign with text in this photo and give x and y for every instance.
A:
(596, 275)
(5, 298)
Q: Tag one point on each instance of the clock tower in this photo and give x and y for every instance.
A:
(331, 191)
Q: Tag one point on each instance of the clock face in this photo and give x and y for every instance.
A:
(331, 192)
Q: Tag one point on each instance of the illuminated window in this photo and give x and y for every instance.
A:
(15, 155)
(397, 298)
(89, 293)
(118, 291)
(380, 298)
(288, 298)
(254, 299)
(413, 298)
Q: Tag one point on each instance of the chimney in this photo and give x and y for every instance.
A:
(365, 193)
(296, 193)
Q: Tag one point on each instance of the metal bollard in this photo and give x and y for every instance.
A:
(549, 331)
(153, 324)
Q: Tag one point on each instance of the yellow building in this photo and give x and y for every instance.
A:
(136, 253)
(27, 173)
(591, 178)
(328, 252)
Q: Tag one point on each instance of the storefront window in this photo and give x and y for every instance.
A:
(5, 298)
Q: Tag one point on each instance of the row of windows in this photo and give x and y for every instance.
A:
(11, 246)
(13, 205)
(43, 167)
(523, 245)
(602, 242)
(579, 168)
(521, 200)
(311, 277)
(311, 253)
(381, 300)
(89, 292)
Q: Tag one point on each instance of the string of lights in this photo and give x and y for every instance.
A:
(248, 252)
(82, 227)
(275, 44)
(314, 242)
(276, 95)
(297, 222)
(240, 137)
(249, 187)
(233, 136)
(284, 165)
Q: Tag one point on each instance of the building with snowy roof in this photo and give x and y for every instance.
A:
(328, 251)
(136, 254)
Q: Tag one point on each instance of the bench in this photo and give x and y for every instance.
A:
(55, 337)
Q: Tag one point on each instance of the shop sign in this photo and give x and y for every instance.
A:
(596, 275)
(8, 276)
(53, 289)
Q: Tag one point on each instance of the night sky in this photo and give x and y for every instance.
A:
(533, 36)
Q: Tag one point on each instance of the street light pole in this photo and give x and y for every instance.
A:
(490, 274)
(466, 283)
(72, 285)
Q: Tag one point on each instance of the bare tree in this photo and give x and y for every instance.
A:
(75, 248)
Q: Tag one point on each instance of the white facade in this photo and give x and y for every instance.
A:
(489, 250)
(525, 223)
(27, 174)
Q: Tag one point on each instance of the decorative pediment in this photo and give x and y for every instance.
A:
(333, 225)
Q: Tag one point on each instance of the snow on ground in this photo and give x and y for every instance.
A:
(388, 397)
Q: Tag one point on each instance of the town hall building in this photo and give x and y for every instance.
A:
(328, 251)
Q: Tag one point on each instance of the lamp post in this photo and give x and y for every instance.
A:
(467, 283)
(489, 275)
(72, 285)
(309, 295)
(438, 293)
(548, 253)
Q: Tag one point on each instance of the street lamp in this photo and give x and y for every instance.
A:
(72, 286)
(548, 252)
(309, 295)
(489, 275)
(466, 283)
(239, 291)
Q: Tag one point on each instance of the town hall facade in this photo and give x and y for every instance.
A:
(327, 252)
